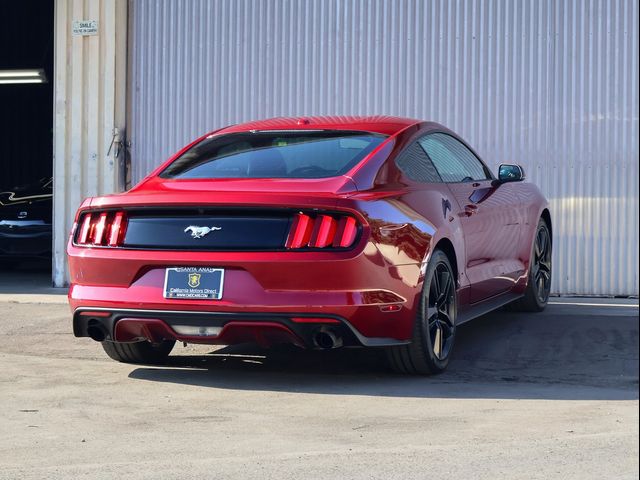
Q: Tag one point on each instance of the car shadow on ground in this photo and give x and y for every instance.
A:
(563, 353)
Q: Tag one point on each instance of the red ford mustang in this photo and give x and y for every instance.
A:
(320, 232)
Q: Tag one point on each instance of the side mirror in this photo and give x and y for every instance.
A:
(510, 173)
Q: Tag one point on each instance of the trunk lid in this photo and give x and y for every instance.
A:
(248, 192)
(218, 215)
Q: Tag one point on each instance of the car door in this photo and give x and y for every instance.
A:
(489, 219)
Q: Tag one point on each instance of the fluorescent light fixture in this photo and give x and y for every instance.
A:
(35, 75)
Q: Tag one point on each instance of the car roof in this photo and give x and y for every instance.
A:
(383, 124)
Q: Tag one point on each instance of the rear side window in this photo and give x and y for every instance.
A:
(454, 161)
(275, 154)
(415, 164)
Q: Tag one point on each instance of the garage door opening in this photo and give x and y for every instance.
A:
(26, 123)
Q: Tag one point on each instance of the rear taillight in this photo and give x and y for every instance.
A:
(85, 229)
(300, 232)
(116, 232)
(102, 229)
(322, 231)
(346, 232)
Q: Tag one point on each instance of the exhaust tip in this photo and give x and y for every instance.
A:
(326, 339)
(96, 332)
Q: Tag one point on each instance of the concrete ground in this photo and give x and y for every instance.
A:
(552, 395)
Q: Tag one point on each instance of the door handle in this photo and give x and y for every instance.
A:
(470, 210)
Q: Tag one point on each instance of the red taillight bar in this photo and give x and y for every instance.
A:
(117, 228)
(325, 230)
(101, 229)
(98, 230)
(346, 233)
(300, 232)
(83, 236)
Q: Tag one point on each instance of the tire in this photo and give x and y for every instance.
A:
(139, 352)
(536, 295)
(434, 327)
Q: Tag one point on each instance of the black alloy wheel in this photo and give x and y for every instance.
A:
(441, 310)
(434, 328)
(541, 264)
(536, 295)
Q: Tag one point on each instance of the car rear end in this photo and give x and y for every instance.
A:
(221, 256)
(25, 222)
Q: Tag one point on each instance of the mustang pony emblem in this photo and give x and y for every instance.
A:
(199, 232)
(194, 280)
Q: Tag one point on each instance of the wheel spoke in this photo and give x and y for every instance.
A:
(544, 266)
(439, 310)
(436, 286)
(432, 315)
(547, 242)
(437, 341)
(541, 283)
(542, 279)
(445, 285)
(545, 275)
(444, 316)
(541, 245)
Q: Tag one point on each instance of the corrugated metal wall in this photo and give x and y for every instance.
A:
(552, 85)
(89, 101)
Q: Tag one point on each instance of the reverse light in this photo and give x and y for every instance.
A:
(194, 331)
(325, 230)
(101, 229)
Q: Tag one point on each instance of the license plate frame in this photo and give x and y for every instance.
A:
(193, 283)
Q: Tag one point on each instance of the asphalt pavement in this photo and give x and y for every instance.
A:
(527, 396)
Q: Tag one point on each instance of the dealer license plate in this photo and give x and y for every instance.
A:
(191, 283)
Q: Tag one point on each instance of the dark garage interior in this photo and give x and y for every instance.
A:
(26, 122)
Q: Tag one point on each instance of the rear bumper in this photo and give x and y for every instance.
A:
(371, 298)
(380, 315)
(132, 325)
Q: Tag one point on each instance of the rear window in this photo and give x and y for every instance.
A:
(275, 154)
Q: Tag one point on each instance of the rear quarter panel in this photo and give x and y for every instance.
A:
(405, 225)
(533, 204)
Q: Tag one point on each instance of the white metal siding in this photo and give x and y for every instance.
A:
(552, 85)
(89, 101)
